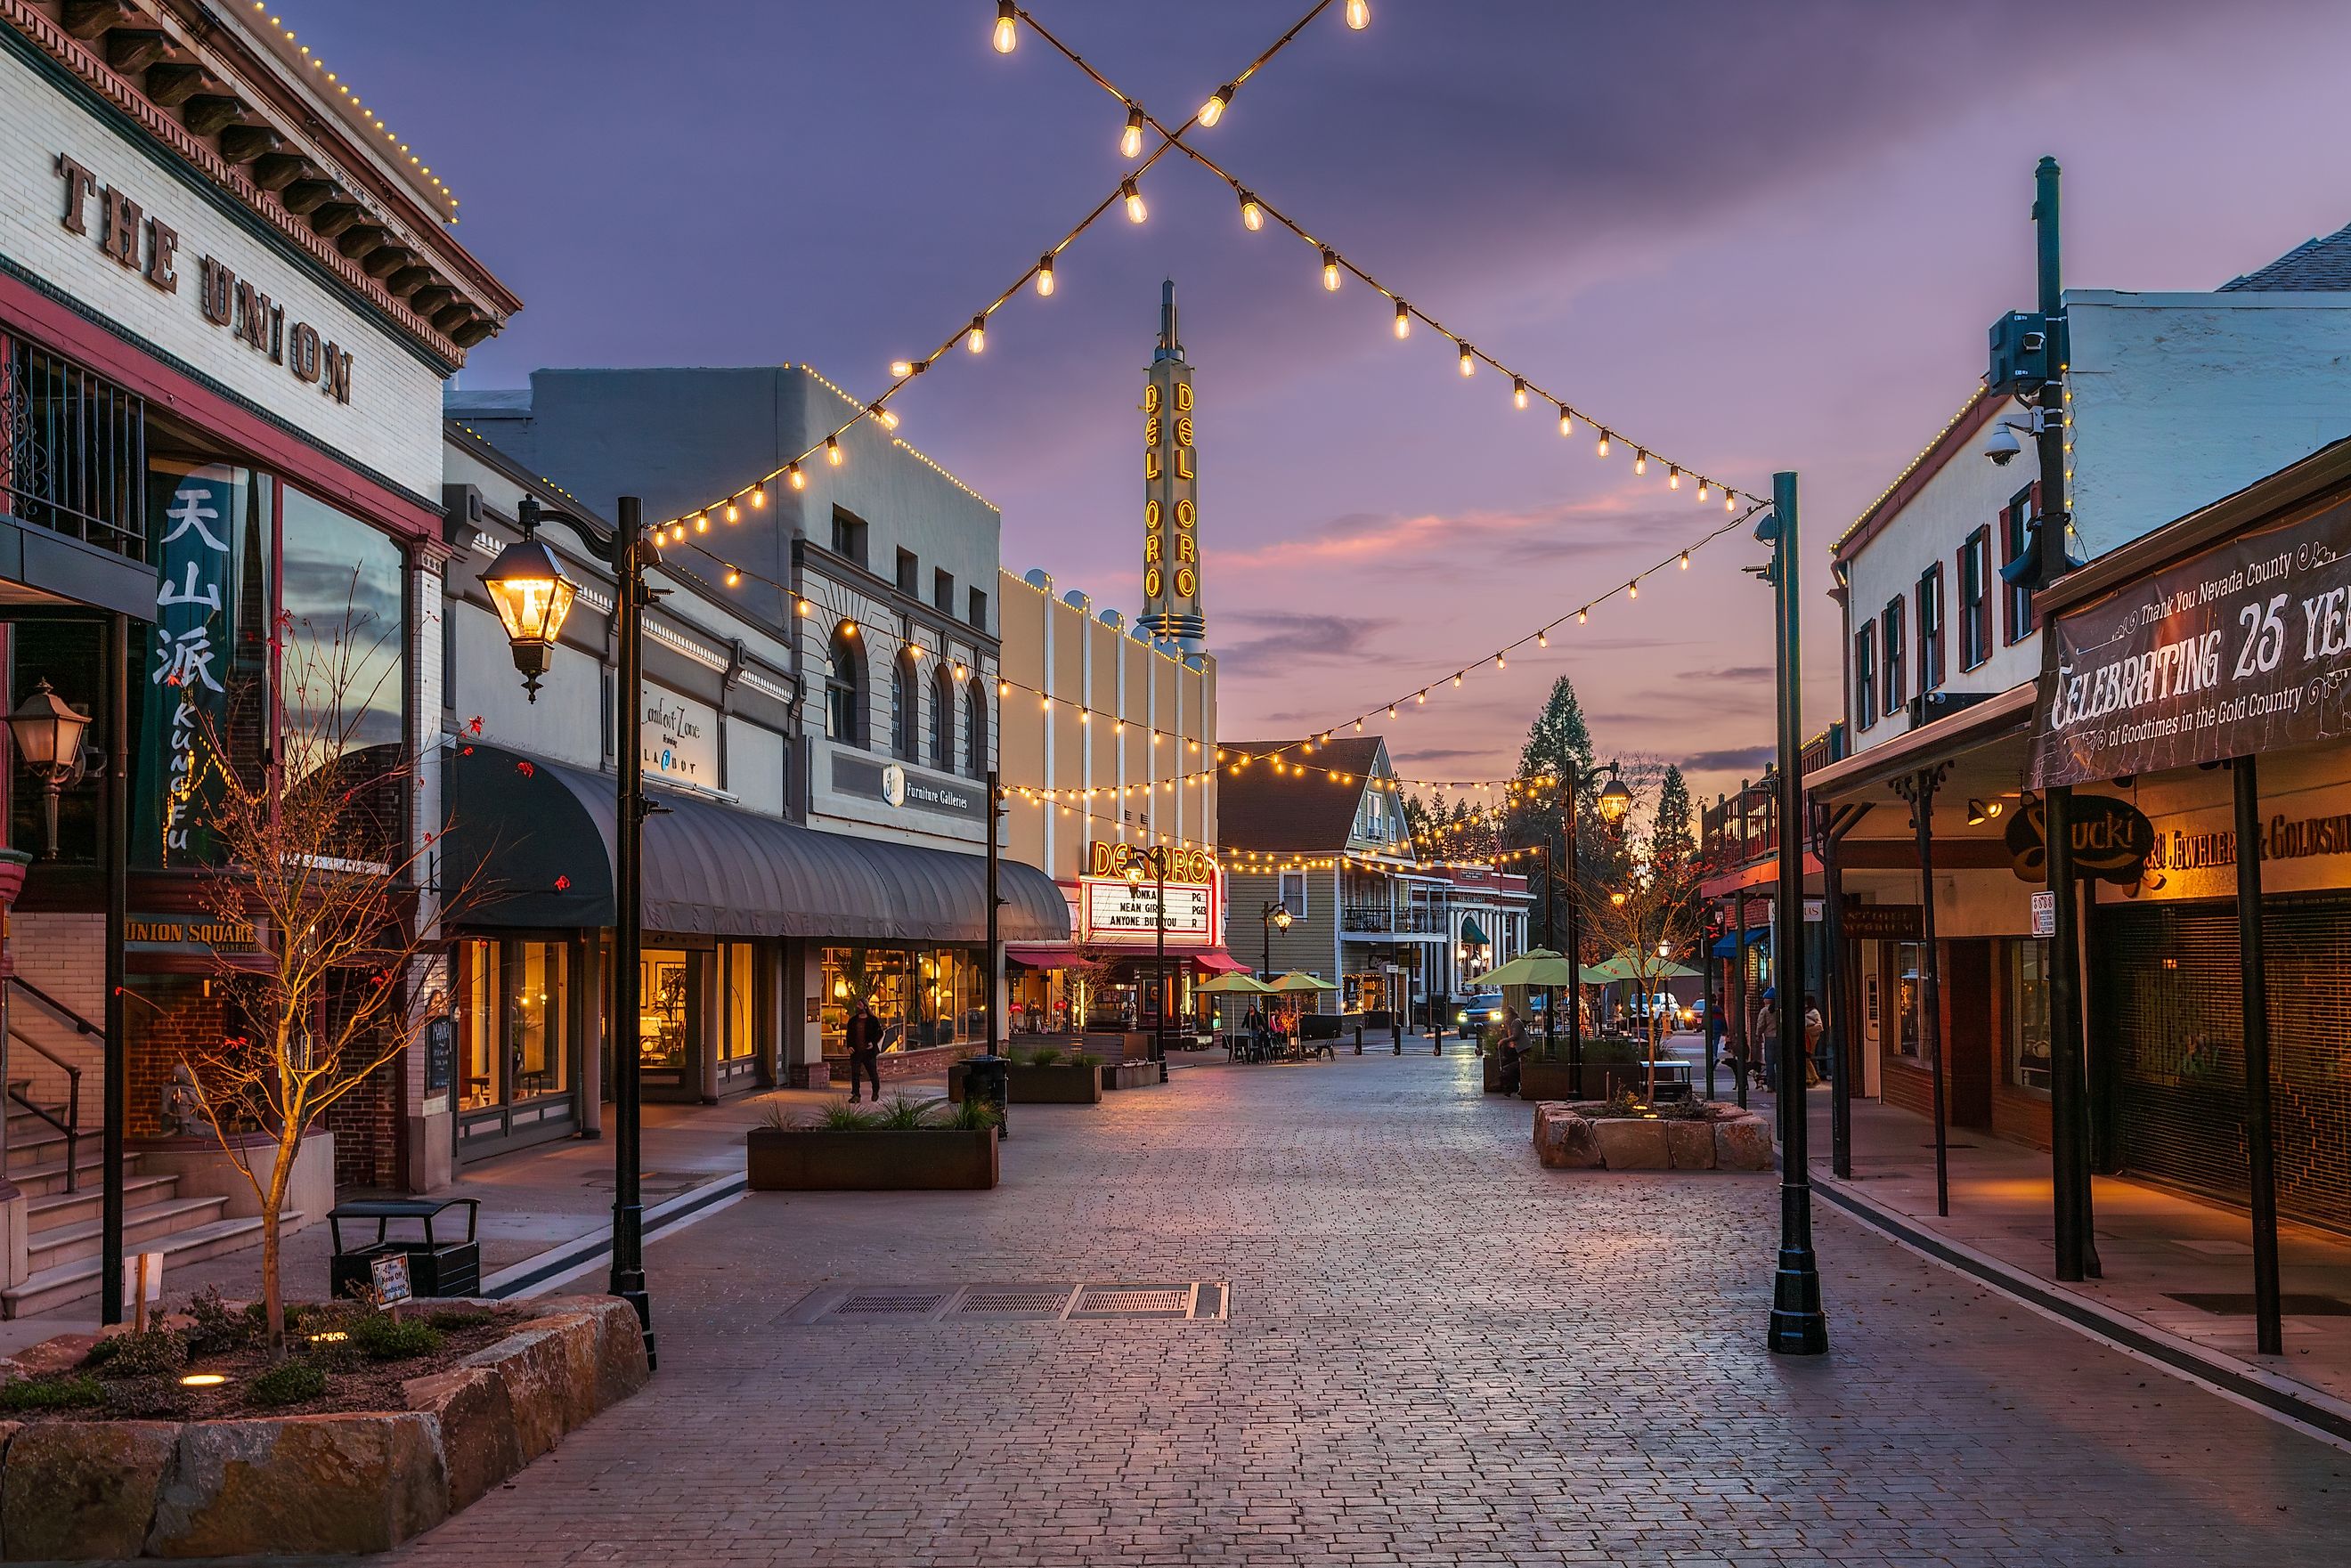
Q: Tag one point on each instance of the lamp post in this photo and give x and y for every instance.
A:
(47, 734)
(532, 596)
(1156, 855)
(1798, 1326)
(1276, 914)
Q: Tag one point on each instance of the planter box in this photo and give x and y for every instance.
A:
(1550, 1080)
(1573, 1137)
(1131, 1076)
(811, 1159)
(316, 1485)
(1063, 1084)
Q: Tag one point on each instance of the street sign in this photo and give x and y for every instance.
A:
(2045, 913)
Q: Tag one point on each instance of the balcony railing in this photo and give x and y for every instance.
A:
(73, 450)
(1414, 920)
(1744, 827)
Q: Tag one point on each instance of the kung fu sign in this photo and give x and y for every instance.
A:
(2242, 649)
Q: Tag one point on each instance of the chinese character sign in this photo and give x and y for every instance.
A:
(187, 664)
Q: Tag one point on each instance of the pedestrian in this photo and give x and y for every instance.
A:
(1509, 1053)
(1714, 1030)
(864, 1050)
(1815, 1030)
(1767, 1029)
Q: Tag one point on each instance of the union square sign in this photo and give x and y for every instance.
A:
(2240, 649)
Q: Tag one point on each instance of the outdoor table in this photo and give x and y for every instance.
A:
(437, 1267)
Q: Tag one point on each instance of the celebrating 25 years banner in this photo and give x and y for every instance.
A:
(2241, 649)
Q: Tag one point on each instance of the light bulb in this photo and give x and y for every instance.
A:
(1130, 140)
(734, 513)
(1729, 504)
(1004, 688)
(1330, 269)
(1468, 361)
(1633, 588)
(1685, 560)
(1518, 391)
(1045, 277)
(833, 450)
(792, 473)
(733, 577)
(1582, 616)
(901, 369)
(1404, 319)
(1673, 477)
(1603, 448)
(1214, 109)
(1566, 421)
(978, 340)
(806, 608)
(1391, 712)
(1542, 638)
(1423, 698)
(1498, 662)
(1135, 211)
(1007, 28)
(1359, 14)
(1457, 678)
(758, 497)
(1640, 461)
(1701, 489)
(1252, 215)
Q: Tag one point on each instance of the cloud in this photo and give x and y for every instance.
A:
(1294, 636)
(1735, 759)
(1738, 672)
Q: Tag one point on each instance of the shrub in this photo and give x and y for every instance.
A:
(1085, 1059)
(972, 1115)
(67, 1393)
(382, 1337)
(288, 1383)
(777, 1116)
(903, 1115)
(158, 1353)
(841, 1118)
(1045, 1056)
(148, 1399)
(217, 1326)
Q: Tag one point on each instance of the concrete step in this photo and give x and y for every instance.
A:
(39, 1143)
(61, 1208)
(142, 1226)
(49, 1175)
(69, 1283)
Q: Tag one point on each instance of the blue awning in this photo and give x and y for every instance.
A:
(1473, 933)
(1729, 944)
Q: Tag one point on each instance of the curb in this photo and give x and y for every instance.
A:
(2280, 1398)
(571, 1257)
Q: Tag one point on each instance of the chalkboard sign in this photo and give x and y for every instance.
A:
(440, 1055)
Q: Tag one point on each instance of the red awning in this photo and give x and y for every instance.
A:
(1217, 961)
(1038, 957)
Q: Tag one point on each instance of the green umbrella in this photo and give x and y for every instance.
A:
(1535, 966)
(1247, 984)
(1298, 980)
(1671, 971)
(1608, 971)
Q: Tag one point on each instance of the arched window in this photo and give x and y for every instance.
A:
(904, 700)
(943, 720)
(845, 689)
(975, 731)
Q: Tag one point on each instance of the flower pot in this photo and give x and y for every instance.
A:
(817, 1159)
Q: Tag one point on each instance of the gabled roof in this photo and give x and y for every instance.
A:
(2318, 264)
(1258, 808)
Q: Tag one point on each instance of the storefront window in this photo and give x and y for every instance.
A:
(536, 1032)
(1908, 970)
(741, 1035)
(665, 1010)
(477, 1012)
(2028, 1014)
(513, 1035)
(923, 995)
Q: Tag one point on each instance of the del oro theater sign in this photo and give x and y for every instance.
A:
(1113, 911)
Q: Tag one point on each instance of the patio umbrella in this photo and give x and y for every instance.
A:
(1608, 971)
(1247, 984)
(1298, 980)
(1535, 966)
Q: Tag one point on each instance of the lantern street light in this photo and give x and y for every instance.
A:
(1616, 800)
(1276, 914)
(47, 734)
(532, 596)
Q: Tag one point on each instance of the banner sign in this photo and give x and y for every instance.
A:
(2242, 649)
(187, 670)
(1114, 912)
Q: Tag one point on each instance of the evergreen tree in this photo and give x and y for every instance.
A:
(1671, 845)
(1556, 735)
(1538, 815)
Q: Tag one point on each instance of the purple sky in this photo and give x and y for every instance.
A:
(1755, 237)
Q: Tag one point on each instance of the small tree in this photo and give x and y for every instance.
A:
(1083, 979)
(314, 860)
(1641, 923)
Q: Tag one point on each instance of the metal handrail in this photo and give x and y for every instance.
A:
(81, 1025)
(71, 1125)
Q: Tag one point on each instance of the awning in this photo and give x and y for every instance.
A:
(1217, 961)
(1030, 956)
(1729, 944)
(534, 839)
(1473, 933)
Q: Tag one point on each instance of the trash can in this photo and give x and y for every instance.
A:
(436, 1267)
(988, 1079)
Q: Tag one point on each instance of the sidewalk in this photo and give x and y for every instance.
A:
(533, 1201)
(2161, 1251)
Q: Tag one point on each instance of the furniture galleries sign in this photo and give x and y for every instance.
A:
(2242, 649)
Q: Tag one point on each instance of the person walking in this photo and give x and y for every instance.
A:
(1767, 1029)
(1510, 1051)
(1815, 1030)
(864, 1034)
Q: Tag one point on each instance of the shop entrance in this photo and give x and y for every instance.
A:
(517, 1044)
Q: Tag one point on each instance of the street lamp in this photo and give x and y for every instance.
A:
(1798, 1327)
(532, 595)
(1276, 914)
(1616, 800)
(1156, 855)
(47, 734)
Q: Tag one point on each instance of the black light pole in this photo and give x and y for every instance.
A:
(117, 1118)
(1574, 952)
(1276, 913)
(1797, 1327)
(995, 903)
(532, 596)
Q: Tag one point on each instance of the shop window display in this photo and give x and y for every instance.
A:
(664, 1008)
(1908, 985)
(513, 1041)
(741, 1035)
(924, 995)
(2028, 1014)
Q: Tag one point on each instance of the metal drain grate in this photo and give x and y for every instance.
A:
(890, 1303)
(1031, 1301)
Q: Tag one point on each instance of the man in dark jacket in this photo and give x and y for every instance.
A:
(864, 1051)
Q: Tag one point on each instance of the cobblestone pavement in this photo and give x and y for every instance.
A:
(1437, 1353)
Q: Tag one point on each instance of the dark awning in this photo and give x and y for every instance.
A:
(1471, 932)
(541, 835)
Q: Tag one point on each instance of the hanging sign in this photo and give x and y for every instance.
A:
(186, 710)
(2241, 649)
(1114, 912)
(678, 739)
(2111, 840)
(1170, 517)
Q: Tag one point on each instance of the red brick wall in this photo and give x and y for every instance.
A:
(365, 1125)
(182, 1023)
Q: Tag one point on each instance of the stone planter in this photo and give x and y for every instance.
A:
(1062, 1084)
(929, 1159)
(1573, 1137)
(305, 1485)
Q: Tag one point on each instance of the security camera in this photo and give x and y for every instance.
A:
(2003, 446)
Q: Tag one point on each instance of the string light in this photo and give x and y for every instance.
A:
(1566, 421)
(1214, 109)
(798, 480)
(1135, 211)
(833, 450)
(1673, 479)
(1518, 391)
(1359, 14)
(1008, 29)
(1640, 461)
(1045, 277)
(901, 369)
(1403, 320)
(1330, 271)
(1603, 448)
(1685, 560)
(977, 339)
(1252, 215)
(1468, 361)
(758, 497)
(1130, 140)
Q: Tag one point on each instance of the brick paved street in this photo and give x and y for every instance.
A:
(1436, 1353)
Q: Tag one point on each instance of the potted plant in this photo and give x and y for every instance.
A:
(902, 1145)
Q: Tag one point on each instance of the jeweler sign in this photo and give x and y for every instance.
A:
(2242, 649)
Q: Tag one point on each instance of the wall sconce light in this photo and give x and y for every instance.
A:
(47, 735)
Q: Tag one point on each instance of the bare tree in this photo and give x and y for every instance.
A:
(1639, 924)
(316, 861)
(1082, 980)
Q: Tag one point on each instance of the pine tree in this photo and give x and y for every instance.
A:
(1557, 735)
(1671, 846)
